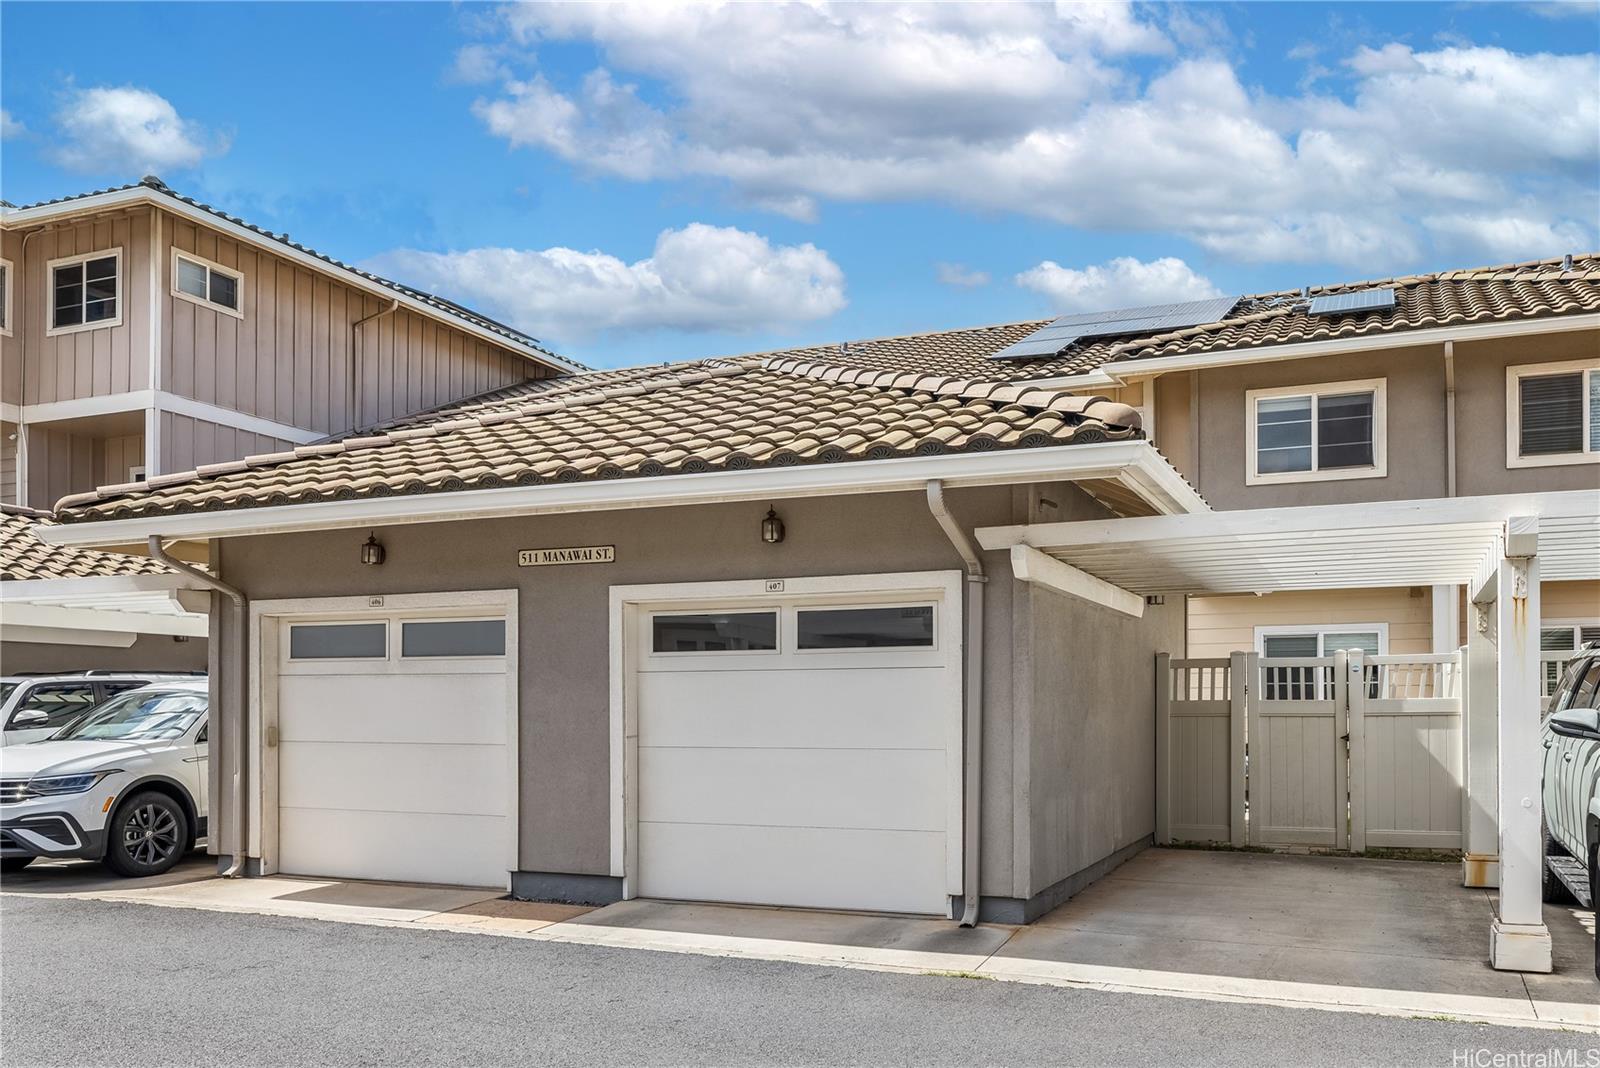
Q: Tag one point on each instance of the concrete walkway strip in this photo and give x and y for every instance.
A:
(883, 943)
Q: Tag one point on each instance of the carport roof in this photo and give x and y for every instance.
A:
(1400, 543)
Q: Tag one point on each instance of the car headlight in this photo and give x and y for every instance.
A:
(56, 785)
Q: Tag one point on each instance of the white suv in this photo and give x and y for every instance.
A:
(1572, 785)
(124, 783)
(36, 706)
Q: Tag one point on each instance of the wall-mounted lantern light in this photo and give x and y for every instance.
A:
(772, 528)
(372, 551)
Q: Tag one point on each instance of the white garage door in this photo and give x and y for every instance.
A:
(799, 753)
(394, 754)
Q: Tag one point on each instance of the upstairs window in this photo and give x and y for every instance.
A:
(85, 291)
(1553, 414)
(1313, 433)
(5, 297)
(203, 282)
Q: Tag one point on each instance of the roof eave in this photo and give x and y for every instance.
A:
(1134, 464)
(122, 198)
(1119, 372)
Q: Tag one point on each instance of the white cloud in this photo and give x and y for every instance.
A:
(1034, 109)
(10, 127)
(127, 130)
(954, 274)
(699, 278)
(1120, 283)
(476, 64)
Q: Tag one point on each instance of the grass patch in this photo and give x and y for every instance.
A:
(960, 975)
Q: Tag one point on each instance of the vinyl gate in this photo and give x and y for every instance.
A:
(1344, 751)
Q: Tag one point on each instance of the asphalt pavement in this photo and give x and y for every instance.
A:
(102, 983)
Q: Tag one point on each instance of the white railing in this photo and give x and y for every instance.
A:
(1402, 678)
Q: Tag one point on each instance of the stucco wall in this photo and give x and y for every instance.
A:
(1415, 425)
(1092, 779)
(563, 650)
(149, 652)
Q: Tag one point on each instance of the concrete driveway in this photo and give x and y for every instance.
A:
(1364, 932)
(1392, 938)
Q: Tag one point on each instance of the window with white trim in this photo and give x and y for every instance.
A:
(1553, 414)
(1314, 433)
(1295, 683)
(5, 297)
(204, 282)
(85, 291)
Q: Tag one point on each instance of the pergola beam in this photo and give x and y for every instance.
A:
(1031, 565)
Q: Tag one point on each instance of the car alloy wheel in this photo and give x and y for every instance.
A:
(150, 834)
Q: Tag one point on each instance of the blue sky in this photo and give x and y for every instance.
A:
(649, 183)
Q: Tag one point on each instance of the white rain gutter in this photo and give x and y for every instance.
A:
(1134, 464)
(972, 671)
(236, 717)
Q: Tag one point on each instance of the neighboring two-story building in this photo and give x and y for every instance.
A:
(143, 332)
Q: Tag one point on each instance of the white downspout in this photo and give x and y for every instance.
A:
(355, 355)
(236, 719)
(1450, 418)
(973, 672)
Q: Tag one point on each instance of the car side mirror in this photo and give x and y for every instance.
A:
(1577, 723)
(28, 719)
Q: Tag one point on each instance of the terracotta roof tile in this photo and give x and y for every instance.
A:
(24, 557)
(697, 417)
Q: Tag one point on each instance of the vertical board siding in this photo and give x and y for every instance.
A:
(187, 443)
(60, 463)
(85, 363)
(117, 455)
(289, 358)
(8, 463)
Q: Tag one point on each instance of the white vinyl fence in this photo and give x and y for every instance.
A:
(1348, 750)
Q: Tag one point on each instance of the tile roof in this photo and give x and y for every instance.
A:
(438, 303)
(23, 556)
(704, 416)
(1540, 288)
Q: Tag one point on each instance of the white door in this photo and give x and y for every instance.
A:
(394, 748)
(800, 752)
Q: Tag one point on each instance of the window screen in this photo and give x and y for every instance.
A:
(456, 637)
(1551, 414)
(714, 632)
(1290, 645)
(866, 628)
(1344, 431)
(338, 641)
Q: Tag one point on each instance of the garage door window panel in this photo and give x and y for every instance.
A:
(714, 632)
(474, 638)
(339, 641)
(873, 627)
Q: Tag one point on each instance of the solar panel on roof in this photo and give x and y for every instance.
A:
(1360, 300)
(1054, 338)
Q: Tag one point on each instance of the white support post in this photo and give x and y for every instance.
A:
(1163, 748)
(1518, 940)
(1241, 683)
(1446, 618)
(1480, 721)
(1355, 705)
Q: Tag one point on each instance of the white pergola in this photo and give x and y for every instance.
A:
(1499, 548)
(107, 611)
